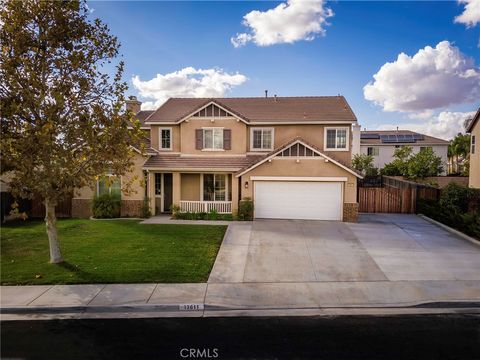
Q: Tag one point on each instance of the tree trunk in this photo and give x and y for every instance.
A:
(51, 222)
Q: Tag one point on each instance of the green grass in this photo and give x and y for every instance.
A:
(120, 251)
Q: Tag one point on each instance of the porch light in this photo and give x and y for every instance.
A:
(212, 120)
(246, 184)
(297, 161)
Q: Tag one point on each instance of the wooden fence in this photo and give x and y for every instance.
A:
(62, 210)
(395, 196)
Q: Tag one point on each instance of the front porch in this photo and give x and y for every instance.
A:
(192, 192)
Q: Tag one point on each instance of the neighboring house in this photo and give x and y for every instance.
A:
(290, 155)
(382, 145)
(474, 130)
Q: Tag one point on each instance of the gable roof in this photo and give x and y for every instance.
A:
(294, 141)
(473, 122)
(426, 140)
(141, 116)
(261, 109)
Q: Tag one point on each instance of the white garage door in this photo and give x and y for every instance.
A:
(298, 200)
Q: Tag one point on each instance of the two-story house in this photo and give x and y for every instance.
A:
(381, 145)
(474, 130)
(290, 155)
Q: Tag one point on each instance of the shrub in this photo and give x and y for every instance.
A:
(145, 210)
(391, 169)
(245, 209)
(175, 209)
(468, 223)
(212, 215)
(106, 206)
(455, 198)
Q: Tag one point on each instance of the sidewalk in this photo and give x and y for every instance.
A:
(166, 219)
(238, 299)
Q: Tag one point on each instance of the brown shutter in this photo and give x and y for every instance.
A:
(198, 139)
(227, 139)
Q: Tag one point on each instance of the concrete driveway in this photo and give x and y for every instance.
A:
(379, 248)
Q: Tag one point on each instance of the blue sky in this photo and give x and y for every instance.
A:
(360, 37)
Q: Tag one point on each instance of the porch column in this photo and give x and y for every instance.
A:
(235, 194)
(151, 191)
(176, 188)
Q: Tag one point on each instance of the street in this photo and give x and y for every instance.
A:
(453, 336)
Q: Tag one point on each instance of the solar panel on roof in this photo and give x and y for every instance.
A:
(418, 137)
(369, 136)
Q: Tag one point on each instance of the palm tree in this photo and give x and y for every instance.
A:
(459, 148)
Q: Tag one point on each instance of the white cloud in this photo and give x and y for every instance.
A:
(288, 22)
(471, 14)
(445, 125)
(187, 82)
(433, 78)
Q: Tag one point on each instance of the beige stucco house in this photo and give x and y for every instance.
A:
(474, 130)
(290, 155)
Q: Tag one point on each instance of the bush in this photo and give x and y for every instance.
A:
(468, 223)
(175, 209)
(145, 211)
(212, 215)
(455, 198)
(391, 169)
(106, 206)
(245, 209)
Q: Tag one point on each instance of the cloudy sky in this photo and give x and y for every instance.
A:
(410, 64)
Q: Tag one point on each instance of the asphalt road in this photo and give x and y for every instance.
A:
(353, 337)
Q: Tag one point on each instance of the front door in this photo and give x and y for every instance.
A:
(167, 192)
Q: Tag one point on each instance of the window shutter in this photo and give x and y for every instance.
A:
(198, 139)
(227, 139)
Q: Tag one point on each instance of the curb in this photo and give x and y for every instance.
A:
(450, 230)
(458, 304)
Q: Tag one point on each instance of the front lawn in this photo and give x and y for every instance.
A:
(122, 251)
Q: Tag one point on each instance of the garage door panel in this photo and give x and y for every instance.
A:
(298, 200)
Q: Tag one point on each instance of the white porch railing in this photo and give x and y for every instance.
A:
(222, 207)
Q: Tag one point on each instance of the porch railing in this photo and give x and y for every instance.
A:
(222, 207)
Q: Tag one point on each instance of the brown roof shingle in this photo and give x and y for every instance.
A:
(262, 109)
(175, 161)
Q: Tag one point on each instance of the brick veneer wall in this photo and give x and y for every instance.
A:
(81, 208)
(131, 208)
(350, 212)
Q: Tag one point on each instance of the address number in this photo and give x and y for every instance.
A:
(190, 307)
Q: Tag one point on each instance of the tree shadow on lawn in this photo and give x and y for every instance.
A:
(83, 275)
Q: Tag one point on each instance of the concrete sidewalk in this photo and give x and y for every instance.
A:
(233, 299)
(166, 219)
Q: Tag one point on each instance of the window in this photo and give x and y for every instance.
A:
(165, 138)
(214, 187)
(373, 151)
(109, 185)
(158, 184)
(213, 138)
(473, 144)
(336, 139)
(423, 148)
(261, 139)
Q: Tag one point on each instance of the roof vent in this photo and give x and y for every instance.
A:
(266, 93)
(275, 96)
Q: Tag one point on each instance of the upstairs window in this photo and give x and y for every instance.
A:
(424, 148)
(213, 138)
(373, 151)
(336, 139)
(261, 139)
(165, 138)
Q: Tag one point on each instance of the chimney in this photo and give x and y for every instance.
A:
(275, 97)
(356, 139)
(133, 104)
(397, 128)
(266, 93)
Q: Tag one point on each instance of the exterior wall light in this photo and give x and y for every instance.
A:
(246, 184)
